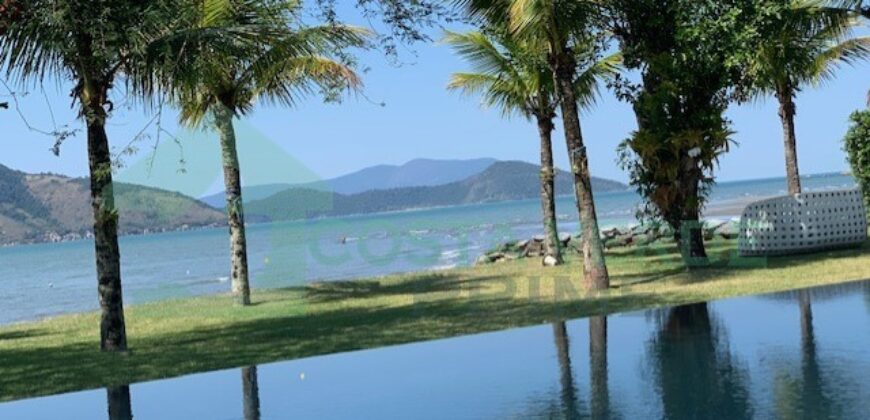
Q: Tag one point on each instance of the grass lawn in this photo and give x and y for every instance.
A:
(178, 337)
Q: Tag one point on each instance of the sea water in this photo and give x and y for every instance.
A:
(49, 279)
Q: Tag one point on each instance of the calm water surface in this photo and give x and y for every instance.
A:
(49, 279)
(799, 355)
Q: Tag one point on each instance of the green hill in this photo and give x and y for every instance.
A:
(502, 181)
(47, 207)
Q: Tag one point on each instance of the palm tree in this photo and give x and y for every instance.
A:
(805, 45)
(512, 75)
(285, 62)
(564, 28)
(10, 11)
(94, 44)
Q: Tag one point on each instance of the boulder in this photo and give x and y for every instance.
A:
(709, 235)
(643, 239)
(550, 261)
(728, 231)
(483, 259)
(624, 240)
(533, 249)
(618, 241)
(711, 227)
(575, 246)
(611, 233)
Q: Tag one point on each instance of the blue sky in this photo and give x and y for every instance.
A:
(422, 119)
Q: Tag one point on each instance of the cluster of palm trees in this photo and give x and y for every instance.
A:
(534, 57)
(216, 59)
(213, 59)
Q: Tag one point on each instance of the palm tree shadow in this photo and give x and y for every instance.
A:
(18, 335)
(333, 291)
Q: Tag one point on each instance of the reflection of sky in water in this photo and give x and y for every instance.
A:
(49, 279)
(760, 363)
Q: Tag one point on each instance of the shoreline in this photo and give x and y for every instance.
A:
(183, 336)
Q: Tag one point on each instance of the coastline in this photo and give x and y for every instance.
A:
(183, 336)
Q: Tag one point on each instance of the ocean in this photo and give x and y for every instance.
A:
(49, 279)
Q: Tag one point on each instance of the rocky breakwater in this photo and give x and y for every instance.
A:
(616, 237)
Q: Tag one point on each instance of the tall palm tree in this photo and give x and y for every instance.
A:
(512, 74)
(94, 44)
(564, 28)
(10, 11)
(288, 61)
(806, 43)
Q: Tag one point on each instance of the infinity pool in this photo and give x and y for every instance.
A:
(798, 355)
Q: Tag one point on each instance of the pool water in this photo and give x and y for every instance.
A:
(796, 355)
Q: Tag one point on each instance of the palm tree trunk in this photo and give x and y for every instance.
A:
(113, 334)
(548, 193)
(235, 209)
(594, 265)
(785, 96)
(566, 375)
(119, 404)
(250, 393)
(600, 395)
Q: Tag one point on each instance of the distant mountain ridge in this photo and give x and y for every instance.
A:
(501, 181)
(415, 173)
(51, 208)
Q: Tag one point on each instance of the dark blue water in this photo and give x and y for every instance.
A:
(798, 355)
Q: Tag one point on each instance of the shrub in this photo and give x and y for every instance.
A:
(857, 146)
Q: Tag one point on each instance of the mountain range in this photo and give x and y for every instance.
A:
(51, 208)
(415, 173)
(500, 181)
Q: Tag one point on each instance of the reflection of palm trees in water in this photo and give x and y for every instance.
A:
(695, 374)
(570, 406)
(566, 377)
(118, 398)
(867, 294)
(598, 367)
(251, 393)
(805, 397)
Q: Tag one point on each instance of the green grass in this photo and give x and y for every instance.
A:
(178, 337)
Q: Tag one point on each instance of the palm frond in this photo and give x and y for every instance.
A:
(305, 42)
(848, 52)
(481, 52)
(808, 41)
(508, 74)
(588, 82)
(296, 77)
(509, 98)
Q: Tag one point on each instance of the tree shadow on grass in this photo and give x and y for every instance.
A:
(417, 285)
(21, 334)
(34, 371)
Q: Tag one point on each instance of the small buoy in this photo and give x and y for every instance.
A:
(266, 260)
(188, 272)
(51, 285)
(302, 376)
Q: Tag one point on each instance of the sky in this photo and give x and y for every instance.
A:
(419, 119)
